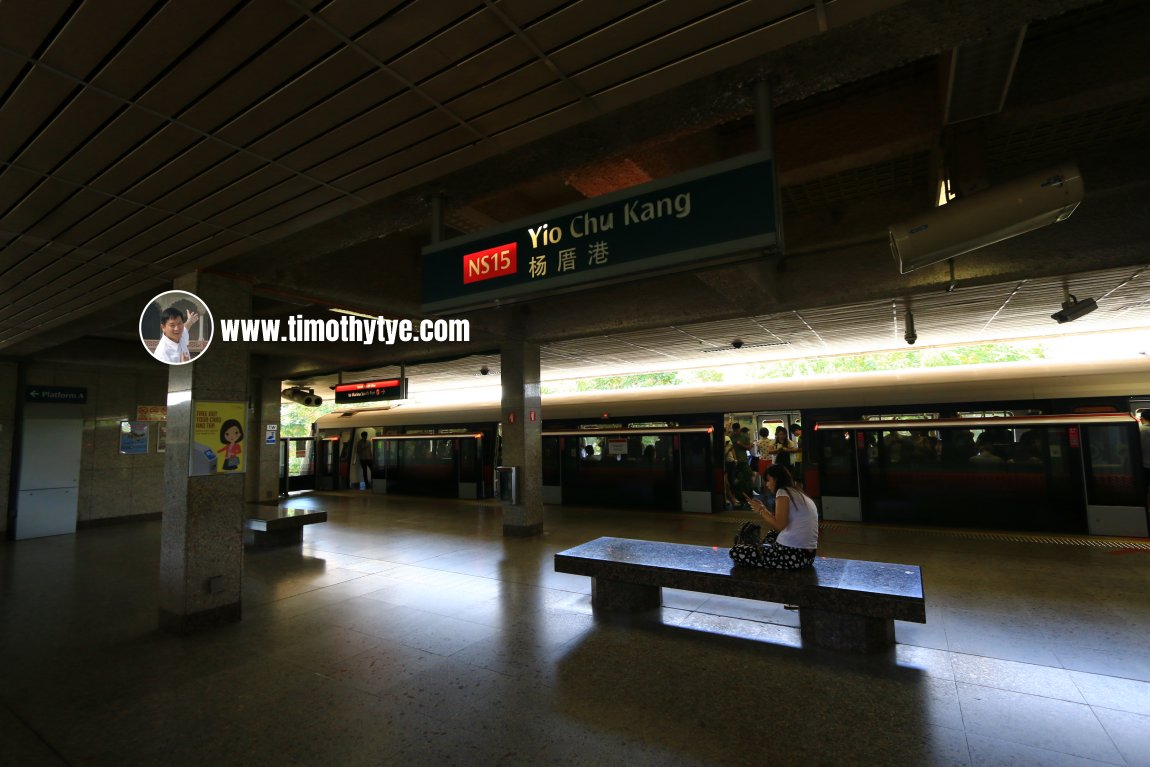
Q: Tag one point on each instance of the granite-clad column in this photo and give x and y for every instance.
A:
(263, 480)
(522, 436)
(201, 540)
(8, 394)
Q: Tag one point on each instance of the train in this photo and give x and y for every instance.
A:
(1028, 446)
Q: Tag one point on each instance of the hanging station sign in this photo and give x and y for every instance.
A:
(722, 213)
(371, 391)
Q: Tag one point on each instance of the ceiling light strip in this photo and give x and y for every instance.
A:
(1068, 419)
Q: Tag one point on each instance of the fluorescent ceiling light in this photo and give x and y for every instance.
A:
(354, 314)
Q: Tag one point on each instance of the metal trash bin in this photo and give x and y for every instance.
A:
(508, 477)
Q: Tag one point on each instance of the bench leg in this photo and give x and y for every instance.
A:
(842, 631)
(619, 597)
(260, 538)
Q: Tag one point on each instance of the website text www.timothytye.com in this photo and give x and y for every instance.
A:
(346, 329)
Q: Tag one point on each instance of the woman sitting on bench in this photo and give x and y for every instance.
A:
(794, 541)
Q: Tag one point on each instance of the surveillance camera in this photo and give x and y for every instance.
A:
(737, 343)
(484, 370)
(911, 337)
(300, 396)
(1073, 309)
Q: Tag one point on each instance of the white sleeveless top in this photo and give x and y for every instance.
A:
(802, 530)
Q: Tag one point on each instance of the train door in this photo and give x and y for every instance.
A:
(297, 464)
(772, 421)
(1115, 498)
(552, 449)
(694, 452)
(840, 453)
(653, 467)
(327, 463)
(470, 455)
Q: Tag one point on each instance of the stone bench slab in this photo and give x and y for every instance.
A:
(273, 526)
(844, 603)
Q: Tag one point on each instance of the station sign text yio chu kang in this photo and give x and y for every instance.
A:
(717, 214)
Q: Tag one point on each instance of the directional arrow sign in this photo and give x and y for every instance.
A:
(74, 395)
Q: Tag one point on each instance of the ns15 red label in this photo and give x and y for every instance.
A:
(488, 264)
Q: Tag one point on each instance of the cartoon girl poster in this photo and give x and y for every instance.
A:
(217, 436)
(231, 435)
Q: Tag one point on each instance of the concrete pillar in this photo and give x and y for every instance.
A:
(201, 557)
(8, 394)
(262, 480)
(522, 436)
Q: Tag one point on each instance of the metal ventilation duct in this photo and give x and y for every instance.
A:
(980, 75)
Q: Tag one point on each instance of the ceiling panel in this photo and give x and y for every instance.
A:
(332, 113)
(242, 190)
(286, 190)
(314, 215)
(230, 168)
(354, 132)
(286, 59)
(142, 220)
(182, 176)
(79, 206)
(15, 183)
(510, 90)
(414, 132)
(410, 26)
(33, 103)
(146, 158)
(106, 216)
(92, 32)
(255, 115)
(312, 86)
(446, 50)
(46, 196)
(129, 128)
(352, 17)
(289, 210)
(70, 129)
(157, 48)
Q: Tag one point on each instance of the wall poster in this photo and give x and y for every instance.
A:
(217, 440)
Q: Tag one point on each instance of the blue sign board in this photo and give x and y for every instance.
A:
(76, 395)
(722, 213)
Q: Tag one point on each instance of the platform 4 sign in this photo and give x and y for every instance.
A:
(722, 213)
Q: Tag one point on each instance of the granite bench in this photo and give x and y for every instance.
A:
(273, 526)
(844, 604)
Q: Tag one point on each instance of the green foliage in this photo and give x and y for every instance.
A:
(296, 419)
(706, 375)
(903, 360)
(642, 380)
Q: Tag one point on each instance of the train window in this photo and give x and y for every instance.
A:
(996, 413)
(901, 417)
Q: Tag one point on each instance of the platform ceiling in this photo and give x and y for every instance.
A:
(296, 145)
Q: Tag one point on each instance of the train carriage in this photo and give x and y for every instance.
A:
(1024, 446)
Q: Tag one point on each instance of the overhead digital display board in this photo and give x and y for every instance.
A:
(724, 212)
(371, 391)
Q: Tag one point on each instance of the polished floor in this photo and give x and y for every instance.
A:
(410, 632)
